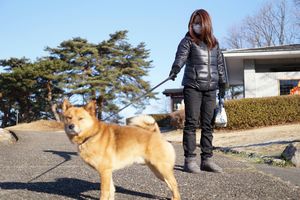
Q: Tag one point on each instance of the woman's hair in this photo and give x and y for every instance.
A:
(206, 32)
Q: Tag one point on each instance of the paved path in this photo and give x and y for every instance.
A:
(46, 166)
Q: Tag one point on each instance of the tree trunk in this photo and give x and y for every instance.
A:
(99, 102)
(55, 113)
(53, 105)
(5, 119)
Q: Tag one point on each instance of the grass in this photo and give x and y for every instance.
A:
(256, 158)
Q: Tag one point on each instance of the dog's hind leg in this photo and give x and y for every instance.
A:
(165, 173)
(155, 171)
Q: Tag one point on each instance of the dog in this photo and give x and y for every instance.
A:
(108, 147)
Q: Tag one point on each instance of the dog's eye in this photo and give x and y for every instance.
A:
(69, 118)
(80, 118)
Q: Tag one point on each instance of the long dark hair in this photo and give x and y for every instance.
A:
(206, 34)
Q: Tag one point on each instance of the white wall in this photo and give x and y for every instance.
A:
(249, 79)
(266, 84)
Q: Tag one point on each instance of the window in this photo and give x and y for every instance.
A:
(177, 102)
(287, 85)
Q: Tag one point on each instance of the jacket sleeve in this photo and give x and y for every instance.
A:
(221, 68)
(182, 54)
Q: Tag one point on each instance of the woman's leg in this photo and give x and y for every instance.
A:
(192, 101)
(192, 104)
(207, 116)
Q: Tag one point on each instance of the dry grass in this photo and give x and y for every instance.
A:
(265, 141)
(40, 125)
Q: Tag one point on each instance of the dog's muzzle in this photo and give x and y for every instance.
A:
(72, 129)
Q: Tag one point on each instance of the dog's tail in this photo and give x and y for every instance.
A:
(146, 122)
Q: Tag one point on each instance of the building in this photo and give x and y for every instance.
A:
(264, 72)
(176, 98)
(258, 72)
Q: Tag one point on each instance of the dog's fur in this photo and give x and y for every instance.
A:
(108, 147)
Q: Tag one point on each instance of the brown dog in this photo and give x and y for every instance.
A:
(108, 147)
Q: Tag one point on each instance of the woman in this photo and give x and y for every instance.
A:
(204, 73)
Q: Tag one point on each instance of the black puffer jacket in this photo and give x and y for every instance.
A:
(204, 68)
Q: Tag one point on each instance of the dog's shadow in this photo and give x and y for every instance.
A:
(71, 188)
(68, 187)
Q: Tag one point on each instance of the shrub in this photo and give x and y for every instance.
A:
(247, 113)
(177, 119)
(163, 120)
(258, 112)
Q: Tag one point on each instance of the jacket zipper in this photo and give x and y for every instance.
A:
(208, 65)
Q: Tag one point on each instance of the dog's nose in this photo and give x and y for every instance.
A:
(71, 126)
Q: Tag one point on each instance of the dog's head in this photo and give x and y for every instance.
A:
(78, 120)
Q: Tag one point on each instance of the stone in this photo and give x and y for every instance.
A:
(6, 137)
(292, 153)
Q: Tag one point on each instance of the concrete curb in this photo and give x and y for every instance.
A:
(280, 162)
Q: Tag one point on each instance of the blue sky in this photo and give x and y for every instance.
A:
(27, 27)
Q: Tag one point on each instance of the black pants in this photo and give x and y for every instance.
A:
(199, 105)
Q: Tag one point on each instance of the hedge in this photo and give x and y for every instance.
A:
(163, 120)
(254, 112)
(258, 112)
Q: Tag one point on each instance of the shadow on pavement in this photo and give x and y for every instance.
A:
(69, 187)
(65, 155)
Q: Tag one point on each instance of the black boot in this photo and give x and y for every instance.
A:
(207, 164)
(190, 165)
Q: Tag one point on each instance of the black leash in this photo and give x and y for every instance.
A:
(133, 101)
(45, 172)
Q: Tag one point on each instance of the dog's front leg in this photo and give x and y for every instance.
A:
(106, 184)
(112, 190)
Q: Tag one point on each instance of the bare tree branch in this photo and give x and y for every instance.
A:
(235, 39)
(273, 24)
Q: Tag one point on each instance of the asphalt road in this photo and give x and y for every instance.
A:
(46, 166)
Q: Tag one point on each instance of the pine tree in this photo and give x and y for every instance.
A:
(48, 84)
(16, 86)
(110, 72)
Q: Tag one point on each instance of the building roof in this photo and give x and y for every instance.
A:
(284, 51)
(169, 92)
(291, 47)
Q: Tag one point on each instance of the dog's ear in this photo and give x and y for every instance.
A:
(66, 105)
(91, 107)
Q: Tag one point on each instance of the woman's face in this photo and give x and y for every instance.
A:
(197, 25)
(197, 20)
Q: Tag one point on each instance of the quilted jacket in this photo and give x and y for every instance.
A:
(204, 68)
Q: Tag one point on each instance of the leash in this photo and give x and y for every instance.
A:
(135, 100)
(45, 172)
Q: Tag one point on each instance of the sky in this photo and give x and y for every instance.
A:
(27, 27)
